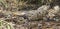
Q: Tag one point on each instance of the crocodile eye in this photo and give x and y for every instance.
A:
(39, 12)
(25, 17)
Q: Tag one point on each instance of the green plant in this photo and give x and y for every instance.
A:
(6, 25)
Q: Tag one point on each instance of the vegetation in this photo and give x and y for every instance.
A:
(5, 25)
